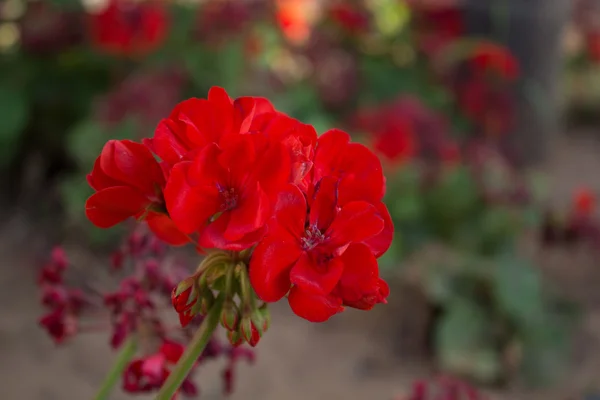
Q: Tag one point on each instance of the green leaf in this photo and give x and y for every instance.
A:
(546, 344)
(439, 284)
(518, 289)
(463, 342)
(14, 111)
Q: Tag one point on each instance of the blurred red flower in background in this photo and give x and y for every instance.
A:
(351, 17)
(129, 28)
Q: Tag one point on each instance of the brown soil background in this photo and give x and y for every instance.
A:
(356, 356)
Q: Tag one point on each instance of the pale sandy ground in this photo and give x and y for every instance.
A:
(354, 357)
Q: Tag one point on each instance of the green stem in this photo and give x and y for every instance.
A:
(192, 352)
(125, 355)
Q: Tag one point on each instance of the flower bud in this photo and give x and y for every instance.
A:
(250, 331)
(235, 339)
(185, 300)
(206, 301)
(266, 315)
(230, 316)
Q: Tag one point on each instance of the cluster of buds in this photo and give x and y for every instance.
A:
(443, 388)
(65, 304)
(136, 312)
(223, 273)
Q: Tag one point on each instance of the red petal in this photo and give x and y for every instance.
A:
(110, 206)
(207, 168)
(133, 164)
(363, 175)
(273, 179)
(222, 117)
(212, 237)
(381, 242)
(171, 350)
(313, 277)
(314, 307)
(164, 229)
(360, 285)
(98, 180)
(190, 207)
(250, 214)
(330, 151)
(356, 221)
(270, 268)
(324, 206)
(361, 272)
(244, 109)
(289, 214)
(167, 144)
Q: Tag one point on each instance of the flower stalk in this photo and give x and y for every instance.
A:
(192, 352)
(125, 355)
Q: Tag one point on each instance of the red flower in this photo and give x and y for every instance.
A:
(437, 26)
(491, 57)
(148, 374)
(349, 17)
(128, 183)
(584, 202)
(490, 106)
(59, 324)
(126, 27)
(226, 194)
(319, 253)
(360, 178)
(396, 141)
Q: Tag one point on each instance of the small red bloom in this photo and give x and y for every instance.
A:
(148, 374)
(59, 324)
(128, 182)
(127, 27)
(437, 26)
(349, 17)
(306, 250)
(584, 202)
(491, 57)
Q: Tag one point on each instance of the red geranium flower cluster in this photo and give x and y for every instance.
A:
(485, 92)
(405, 128)
(127, 27)
(134, 309)
(353, 18)
(65, 304)
(436, 26)
(237, 175)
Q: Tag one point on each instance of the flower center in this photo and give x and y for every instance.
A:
(312, 237)
(229, 198)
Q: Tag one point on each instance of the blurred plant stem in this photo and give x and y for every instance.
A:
(125, 355)
(192, 352)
